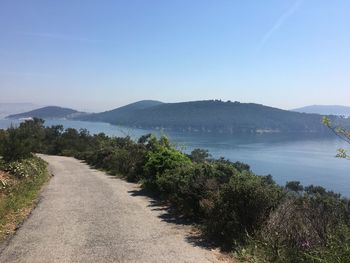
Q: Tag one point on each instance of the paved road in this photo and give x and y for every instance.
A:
(86, 216)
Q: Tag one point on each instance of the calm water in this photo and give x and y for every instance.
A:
(307, 159)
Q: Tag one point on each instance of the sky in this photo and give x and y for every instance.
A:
(97, 55)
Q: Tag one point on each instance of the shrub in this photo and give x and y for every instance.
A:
(14, 147)
(28, 176)
(242, 206)
(2, 140)
(161, 159)
(25, 168)
(137, 155)
(191, 188)
(337, 248)
(305, 224)
(199, 155)
(118, 162)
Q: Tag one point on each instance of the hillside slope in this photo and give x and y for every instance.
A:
(124, 112)
(214, 116)
(50, 112)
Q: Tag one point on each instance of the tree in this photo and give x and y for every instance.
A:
(161, 158)
(2, 140)
(342, 134)
(19, 142)
(32, 134)
(14, 147)
(199, 155)
(294, 186)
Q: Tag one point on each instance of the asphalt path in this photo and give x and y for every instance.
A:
(84, 215)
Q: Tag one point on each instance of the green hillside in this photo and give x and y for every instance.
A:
(214, 116)
(124, 112)
(50, 112)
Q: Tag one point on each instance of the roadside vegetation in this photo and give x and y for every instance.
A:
(20, 183)
(248, 214)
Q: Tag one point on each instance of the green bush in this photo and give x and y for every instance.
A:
(159, 160)
(14, 147)
(199, 155)
(191, 188)
(241, 208)
(3, 136)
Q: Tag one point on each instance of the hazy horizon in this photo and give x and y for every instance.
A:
(94, 57)
(85, 109)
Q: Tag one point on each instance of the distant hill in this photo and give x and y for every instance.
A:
(213, 116)
(122, 112)
(50, 112)
(325, 110)
(14, 108)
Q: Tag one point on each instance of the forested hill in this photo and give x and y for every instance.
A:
(50, 112)
(213, 116)
(125, 112)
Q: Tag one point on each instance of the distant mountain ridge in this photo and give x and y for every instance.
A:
(325, 109)
(122, 112)
(212, 116)
(198, 116)
(50, 112)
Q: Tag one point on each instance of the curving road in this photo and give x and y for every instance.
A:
(86, 216)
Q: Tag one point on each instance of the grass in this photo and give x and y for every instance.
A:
(18, 194)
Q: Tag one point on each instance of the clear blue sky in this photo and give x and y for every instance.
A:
(97, 55)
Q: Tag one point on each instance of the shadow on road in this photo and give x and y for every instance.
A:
(168, 214)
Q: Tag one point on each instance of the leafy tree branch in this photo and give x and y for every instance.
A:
(342, 134)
